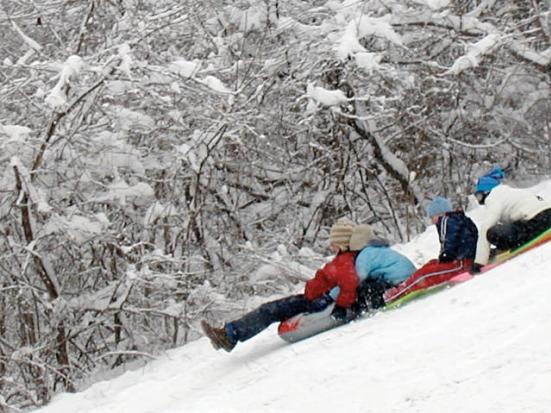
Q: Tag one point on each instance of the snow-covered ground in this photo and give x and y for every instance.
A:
(483, 346)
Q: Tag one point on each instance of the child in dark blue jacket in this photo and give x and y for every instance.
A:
(458, 237)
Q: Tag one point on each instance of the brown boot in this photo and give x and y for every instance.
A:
(218, 337)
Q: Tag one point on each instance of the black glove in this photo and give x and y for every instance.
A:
(340, 314)
(476, 268)
(358, 308)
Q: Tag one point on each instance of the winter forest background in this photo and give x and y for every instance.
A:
(163, 161)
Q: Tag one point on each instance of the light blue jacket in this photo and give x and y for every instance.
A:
(378, 261)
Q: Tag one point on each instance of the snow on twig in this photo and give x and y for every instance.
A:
(325, 97)
(125, 55)
(127, 353)
(33, 44)
(349, 42)
(58, 96)
(475, 52)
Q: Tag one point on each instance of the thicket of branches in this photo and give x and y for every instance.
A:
(157, 156)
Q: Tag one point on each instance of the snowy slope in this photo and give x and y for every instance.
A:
(483, 346)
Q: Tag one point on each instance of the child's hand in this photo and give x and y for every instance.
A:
(340, 313)
(476, 269)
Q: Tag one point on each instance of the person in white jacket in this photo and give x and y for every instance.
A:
(513, 216)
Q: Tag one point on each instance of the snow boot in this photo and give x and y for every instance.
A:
(218, 337)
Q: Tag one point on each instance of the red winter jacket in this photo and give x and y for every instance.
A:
(340, 272)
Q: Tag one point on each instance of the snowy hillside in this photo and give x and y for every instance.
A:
(483, 346)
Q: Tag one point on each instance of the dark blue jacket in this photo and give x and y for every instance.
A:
(458, 237)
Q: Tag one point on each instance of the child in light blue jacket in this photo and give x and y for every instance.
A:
(379, 268)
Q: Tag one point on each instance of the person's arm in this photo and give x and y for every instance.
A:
(483, 245)
(317, 286)
(347, 281)
(338, 273)
(449, 238)
(363, 265)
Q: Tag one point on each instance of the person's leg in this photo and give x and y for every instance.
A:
(507, 236)
(537, 225)
(513, 235)
(429, 275)
(370, 295)
(259, 319)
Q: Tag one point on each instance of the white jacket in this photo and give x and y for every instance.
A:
(505, 205)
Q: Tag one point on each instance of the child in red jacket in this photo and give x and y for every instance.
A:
(336, 281)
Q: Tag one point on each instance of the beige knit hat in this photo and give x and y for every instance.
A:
(361, 235)
(340, 233)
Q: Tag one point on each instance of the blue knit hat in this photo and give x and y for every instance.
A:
(490, 180)
(439, 205)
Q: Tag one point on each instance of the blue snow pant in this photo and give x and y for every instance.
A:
(278, 310)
